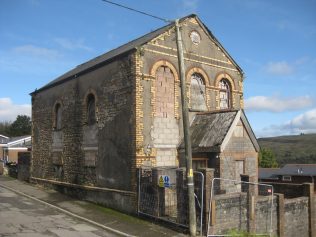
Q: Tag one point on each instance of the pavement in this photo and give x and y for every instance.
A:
(84, 218)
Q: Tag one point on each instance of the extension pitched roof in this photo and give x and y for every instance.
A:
(132, 45)
(211, 131)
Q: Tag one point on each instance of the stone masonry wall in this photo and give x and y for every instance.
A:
(232, 212)
(88, 155)
(263, 215)
(296, 217)
(239, 157)
(159, 134)
(252, 213)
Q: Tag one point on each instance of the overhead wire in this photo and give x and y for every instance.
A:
(138, 11)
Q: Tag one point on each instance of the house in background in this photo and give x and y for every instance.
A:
(12, 146)
(3, 142)
(3, 139)
(96, 124)
(267, 174)
(289, 174)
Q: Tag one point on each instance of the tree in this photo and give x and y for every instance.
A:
(267, 159)
(21, 126)
(5, 128)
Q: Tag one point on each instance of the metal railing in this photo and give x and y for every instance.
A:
(163, 203)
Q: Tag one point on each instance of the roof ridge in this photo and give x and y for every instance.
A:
(218, 111)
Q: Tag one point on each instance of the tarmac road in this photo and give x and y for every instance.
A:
(21, 216)
(32, 205)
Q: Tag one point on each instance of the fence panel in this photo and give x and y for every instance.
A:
(162, 194)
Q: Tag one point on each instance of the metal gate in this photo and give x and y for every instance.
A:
(240, 206)
(162, 194)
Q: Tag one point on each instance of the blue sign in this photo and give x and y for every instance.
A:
(164, 181)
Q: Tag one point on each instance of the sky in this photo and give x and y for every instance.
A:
(273, 41)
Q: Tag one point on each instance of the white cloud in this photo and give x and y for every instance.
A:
(276, 104)
(72, 44)
(303, 123)
(9, 111)
(35, 51)
(279, 68)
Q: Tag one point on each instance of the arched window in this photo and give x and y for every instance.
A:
(224, 94)
(58, 116)
(91, 117)
(197, 92)
(164, 92)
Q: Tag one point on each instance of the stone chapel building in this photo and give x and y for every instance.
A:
(96, 124)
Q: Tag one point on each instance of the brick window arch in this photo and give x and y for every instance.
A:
(91, 109)
(224, 94)
(165, 82)
(57, 116)
(197, 92)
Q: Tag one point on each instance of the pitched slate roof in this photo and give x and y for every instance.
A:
(289, 169)
(209, 130)
(268, 173)
(111, 55)
(298, 170)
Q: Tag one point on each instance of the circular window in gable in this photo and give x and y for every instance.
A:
(195, 37)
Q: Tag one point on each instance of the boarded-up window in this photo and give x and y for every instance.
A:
(91, 118)
(57, 158)
(197, 92)
(239, 165)
(90, 158)
(199, 163)
(58, 116)
(224, 94)
(164, 92)
(239, 169)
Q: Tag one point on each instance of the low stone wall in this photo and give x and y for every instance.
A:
(243, 211)
(263, 209)
(124, 201)
(296, 217)
(230, 212)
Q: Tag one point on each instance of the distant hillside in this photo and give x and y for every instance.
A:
(292, 149)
